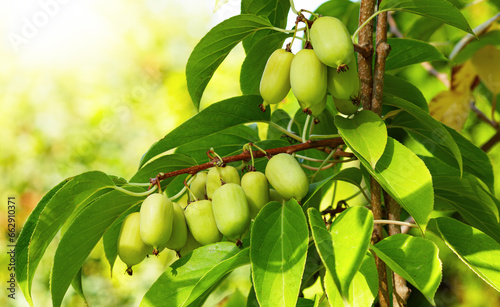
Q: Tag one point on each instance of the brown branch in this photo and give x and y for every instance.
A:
(383, 50)
(245, 156)
(365, 41)
(491, 142)
(365, 51)
(483, 116)
(401, 292)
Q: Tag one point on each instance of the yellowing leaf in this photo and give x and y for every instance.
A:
(462, 77)
(487, 64)
(451, 108)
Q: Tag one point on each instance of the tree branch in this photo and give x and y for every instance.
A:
(365, 41)
(383, 50)
(245, 156)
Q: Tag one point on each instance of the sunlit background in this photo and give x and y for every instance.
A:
(92, 84)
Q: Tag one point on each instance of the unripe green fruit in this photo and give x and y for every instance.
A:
(287, 177)
(231, 210)
(201, 222)
(199, 187)
(275, 196)
(344, 84)
(157, 214)
(131, 249)
(179, 229)
(346, 107)
(308, 77)
(256, 189)
(228, 174)
(191, 245)
(316, 109)
(275, 82)
(332, 42)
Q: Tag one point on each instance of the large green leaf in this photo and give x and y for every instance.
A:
(23, 242)
(275, 10)
(479, 251)
(475, 161)
(82, 236)
(466, 195)
(223, 143)
(489, 38)
(363, 289)
(406, 178)
(428, 131)
(413, 258)
(351, 175)
(194, 272)
(256, 59)
(54, 213)
(403, 89)
(345, 10)
(351, 232)
(365, 133)
(217, 117)
(405, 51)
(441, 10)
(278, 249)
(214, 47)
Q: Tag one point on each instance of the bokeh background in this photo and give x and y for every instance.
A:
(92, 84)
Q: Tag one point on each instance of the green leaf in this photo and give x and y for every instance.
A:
(363, 289)
(423, 28)
(366, 134)
(193, 273)
(82, 236)
(428, 131)
(466, 195)
(223, 143)
(475, 161)
(406, 52)
(110, 238)
(281, 118)
(163, 164)
(78, 287)
(279, 239)
(413, 258)
(54, 214)
(345, 10)
(217, 117)
(406, 178)
(213, 49)
(275, 10)
(472, 246)
(403, 89)
(256, 59)
(23, 242)
(343, 248)
(441, 10)
(351, 175)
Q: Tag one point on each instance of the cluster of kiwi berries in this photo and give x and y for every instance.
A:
(221, 205)
(327, 64)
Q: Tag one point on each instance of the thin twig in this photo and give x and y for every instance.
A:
(491, 142)
(483, 116)
(245, 156)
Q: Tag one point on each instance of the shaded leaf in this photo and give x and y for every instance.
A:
(345, 10)
(413, 258)
(472, 246)
(405, 51)
(88, 227)
(176, 284)
(441, 10)
(278, 249)
(217, 117)
(214, 47)
(403, 89)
